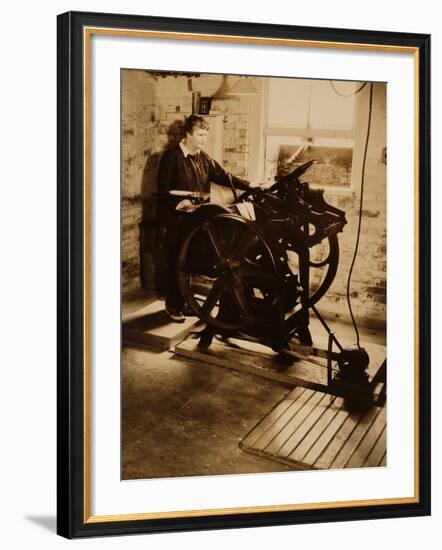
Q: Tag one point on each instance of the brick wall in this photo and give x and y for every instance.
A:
(368, 287)
(139, 122)
(130, 249)
(153, 114)
(236, 134)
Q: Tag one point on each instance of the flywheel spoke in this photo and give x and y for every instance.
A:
(238, 293)
(213, 296)
(246, 240)
(213, 238)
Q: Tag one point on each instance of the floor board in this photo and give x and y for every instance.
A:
(313, 430)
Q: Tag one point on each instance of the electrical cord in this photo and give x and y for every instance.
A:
(347, 95)
(355, 253)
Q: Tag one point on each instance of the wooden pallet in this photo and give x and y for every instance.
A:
(313, 430)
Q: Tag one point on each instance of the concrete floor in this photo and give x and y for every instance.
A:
(186, 418)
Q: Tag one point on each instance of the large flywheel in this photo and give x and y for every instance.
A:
(228, 272)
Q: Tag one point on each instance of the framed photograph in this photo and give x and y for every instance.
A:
(243, 241)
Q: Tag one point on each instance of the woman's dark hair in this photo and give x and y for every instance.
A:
(195, 121)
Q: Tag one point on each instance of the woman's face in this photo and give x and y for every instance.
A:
(197, 139)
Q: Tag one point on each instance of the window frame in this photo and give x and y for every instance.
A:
(360, 114)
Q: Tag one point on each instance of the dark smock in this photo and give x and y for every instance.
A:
(184, 173)
(192, 173)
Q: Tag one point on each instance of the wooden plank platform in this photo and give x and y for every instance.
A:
(313, 430)
(151, 326)
(252, 358)
(261, 361)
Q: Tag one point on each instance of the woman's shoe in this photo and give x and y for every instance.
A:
(175, 315)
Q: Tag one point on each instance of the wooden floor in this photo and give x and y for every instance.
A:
(313, 430)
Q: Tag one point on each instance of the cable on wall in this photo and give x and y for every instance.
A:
(361, 201)
(347, 95)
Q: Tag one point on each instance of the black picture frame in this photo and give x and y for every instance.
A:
(74, 519)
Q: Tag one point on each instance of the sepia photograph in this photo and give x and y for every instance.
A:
(253, 274)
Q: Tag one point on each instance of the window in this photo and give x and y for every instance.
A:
(309, 119)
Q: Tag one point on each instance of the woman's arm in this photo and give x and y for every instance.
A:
(218, 175)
